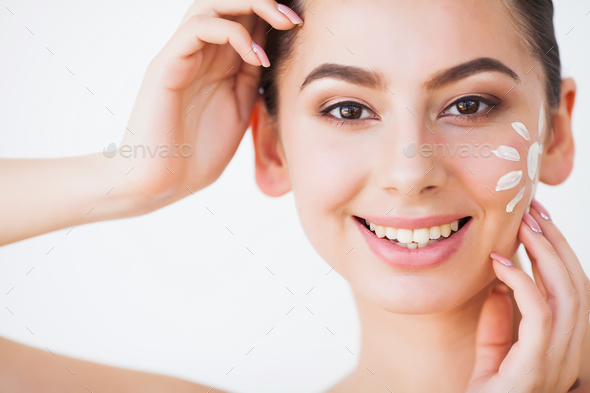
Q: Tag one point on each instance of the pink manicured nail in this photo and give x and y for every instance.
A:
(501, 259)
(261, 54)
(542, 211)
(289, 13)
(531, 222)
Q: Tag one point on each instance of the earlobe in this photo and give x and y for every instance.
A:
(272, 173)
(558, 155)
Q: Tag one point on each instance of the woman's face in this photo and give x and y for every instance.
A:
(349, 134)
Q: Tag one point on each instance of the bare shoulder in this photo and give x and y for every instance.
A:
(28, 369)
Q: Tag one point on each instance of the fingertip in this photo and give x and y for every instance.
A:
(504, 261)
(261, 54)
(290, 14)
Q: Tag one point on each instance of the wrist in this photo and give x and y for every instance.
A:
(134, 188)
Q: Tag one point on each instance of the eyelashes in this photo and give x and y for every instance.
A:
(348, 112)
(353, 113)
(490, 105)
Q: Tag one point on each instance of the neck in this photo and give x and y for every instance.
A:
(418, 353)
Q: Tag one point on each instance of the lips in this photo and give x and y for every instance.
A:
(427, 256)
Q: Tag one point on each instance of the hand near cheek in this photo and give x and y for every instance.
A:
(554, 308)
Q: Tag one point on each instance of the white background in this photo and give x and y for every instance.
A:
(175, 292)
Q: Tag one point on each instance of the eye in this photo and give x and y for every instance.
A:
(349, 110)
(471, 107)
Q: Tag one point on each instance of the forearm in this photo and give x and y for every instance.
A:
(43, 195)
(26, 369)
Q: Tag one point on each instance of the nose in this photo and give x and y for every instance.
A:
(404, 165)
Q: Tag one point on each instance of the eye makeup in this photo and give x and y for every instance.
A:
(352, 112)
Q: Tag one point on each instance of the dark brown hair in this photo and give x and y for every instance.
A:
(532, 18)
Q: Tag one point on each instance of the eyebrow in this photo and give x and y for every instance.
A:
(351, 74)
(464, 70)
(367, 78)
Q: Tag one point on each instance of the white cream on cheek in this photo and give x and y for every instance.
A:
(507, 153)
(515, 200)
(541, 119)
(509, 180)
(522, 131)
(512, 179)
(533, 160)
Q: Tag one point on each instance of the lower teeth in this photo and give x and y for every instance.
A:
(414, 245)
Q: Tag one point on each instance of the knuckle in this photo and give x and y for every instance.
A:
(544, 314)
(537, 384)
(197, 18)
(239, 30)
(572, 300)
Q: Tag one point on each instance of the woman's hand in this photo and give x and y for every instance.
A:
(191, 112)
(197, 98)
(554, 308)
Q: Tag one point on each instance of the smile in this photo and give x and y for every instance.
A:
(414, 243)
(416, 238)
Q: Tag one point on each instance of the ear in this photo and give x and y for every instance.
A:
(272, 173)
(558, 154)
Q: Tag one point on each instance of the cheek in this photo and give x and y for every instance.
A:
(327, 173)
(502, 172)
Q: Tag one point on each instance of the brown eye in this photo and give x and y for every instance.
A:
(468, 106)
(350, 112)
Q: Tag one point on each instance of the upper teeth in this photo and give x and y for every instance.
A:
(420, 236)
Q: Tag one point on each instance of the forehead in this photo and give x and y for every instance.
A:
(406, 40)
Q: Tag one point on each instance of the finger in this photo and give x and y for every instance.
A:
(535, 326)
(537, 277)
(562, 297)
(248, 77)
(277, 15)
(494, 333)
(565, 252)
(200, 30)
(576, 273)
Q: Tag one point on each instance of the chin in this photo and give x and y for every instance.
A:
(420, 295)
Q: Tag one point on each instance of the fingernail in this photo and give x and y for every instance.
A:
(289, 13)
(261, 54)
(542, 211)
(531, 222)
(501, 259)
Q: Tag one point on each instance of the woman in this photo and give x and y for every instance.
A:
(412, 135)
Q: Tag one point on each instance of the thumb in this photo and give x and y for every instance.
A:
(494, 333)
